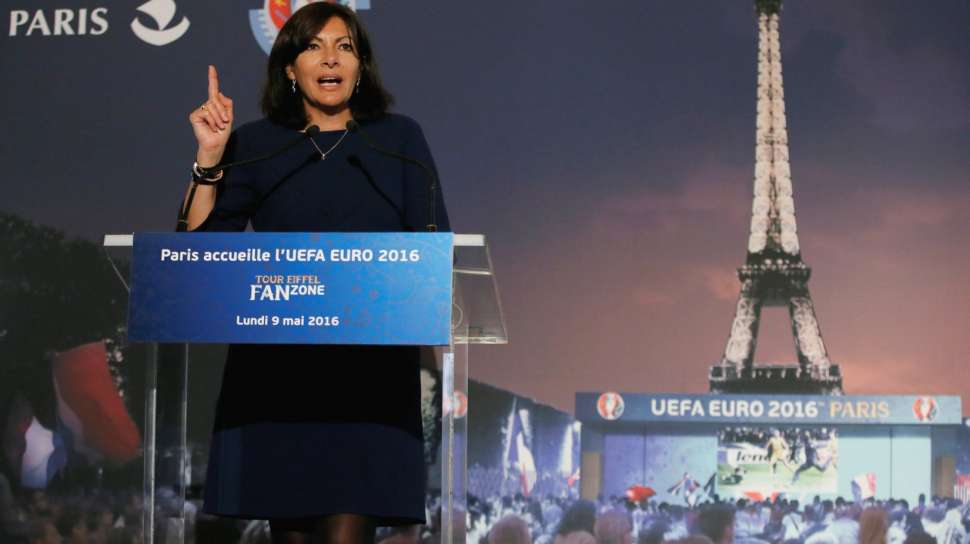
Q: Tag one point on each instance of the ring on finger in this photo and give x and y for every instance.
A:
(204, 108)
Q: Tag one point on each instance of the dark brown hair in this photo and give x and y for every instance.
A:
(370, 101)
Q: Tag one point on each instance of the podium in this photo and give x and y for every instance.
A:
(476, 318)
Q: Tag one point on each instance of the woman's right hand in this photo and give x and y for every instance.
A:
(212, 123)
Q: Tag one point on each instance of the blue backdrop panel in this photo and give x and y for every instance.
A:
(671, 456)
(864, 450)
(912, 462)
(623, 462)
(899, 457)
(328, 288)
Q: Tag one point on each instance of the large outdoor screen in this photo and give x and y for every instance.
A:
(764, 462)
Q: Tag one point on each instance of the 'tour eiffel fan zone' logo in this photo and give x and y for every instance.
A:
(267, 21)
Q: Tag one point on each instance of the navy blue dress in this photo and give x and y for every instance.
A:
(304, 431)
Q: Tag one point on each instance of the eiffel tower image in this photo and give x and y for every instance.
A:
(774, 273)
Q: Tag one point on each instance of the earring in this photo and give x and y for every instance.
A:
(293, 81)
(357, 86)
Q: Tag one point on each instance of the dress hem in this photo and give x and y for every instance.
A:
(382, 520)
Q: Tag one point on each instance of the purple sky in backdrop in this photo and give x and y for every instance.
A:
(617, 260)
(607, 151)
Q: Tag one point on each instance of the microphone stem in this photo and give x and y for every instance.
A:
(432, 225)
(214, 169)
(183, 223)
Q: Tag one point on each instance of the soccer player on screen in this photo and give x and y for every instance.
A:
(778, 451)
(817, 455)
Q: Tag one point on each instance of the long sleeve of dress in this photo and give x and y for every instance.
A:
(236, 194)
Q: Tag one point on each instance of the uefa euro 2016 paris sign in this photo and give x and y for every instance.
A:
(624, 408)
(279, 288)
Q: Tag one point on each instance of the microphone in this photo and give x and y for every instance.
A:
(354, 126)
(310, 132)
(183, 220)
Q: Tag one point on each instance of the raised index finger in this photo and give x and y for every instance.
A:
(213, 83)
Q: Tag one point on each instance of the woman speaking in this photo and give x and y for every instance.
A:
(323, 441)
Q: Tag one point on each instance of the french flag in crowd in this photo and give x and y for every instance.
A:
(864, 486)
(573, 478)
(41, 452)
(519, 455)
(44, 456)
(91, 415)
(569, 455)
(687, 485)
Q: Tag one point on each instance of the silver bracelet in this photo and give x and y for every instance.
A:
(199, 176)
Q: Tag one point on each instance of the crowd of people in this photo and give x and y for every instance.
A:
(555, 521)
(39, 517)
(35, 516)
(494, 482)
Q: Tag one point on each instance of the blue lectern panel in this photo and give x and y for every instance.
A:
(279, 288)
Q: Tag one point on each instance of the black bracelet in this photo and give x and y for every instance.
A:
(201, 178)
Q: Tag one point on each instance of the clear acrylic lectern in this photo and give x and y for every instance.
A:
(477, 318)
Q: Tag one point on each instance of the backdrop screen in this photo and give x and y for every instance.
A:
(762, 462)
